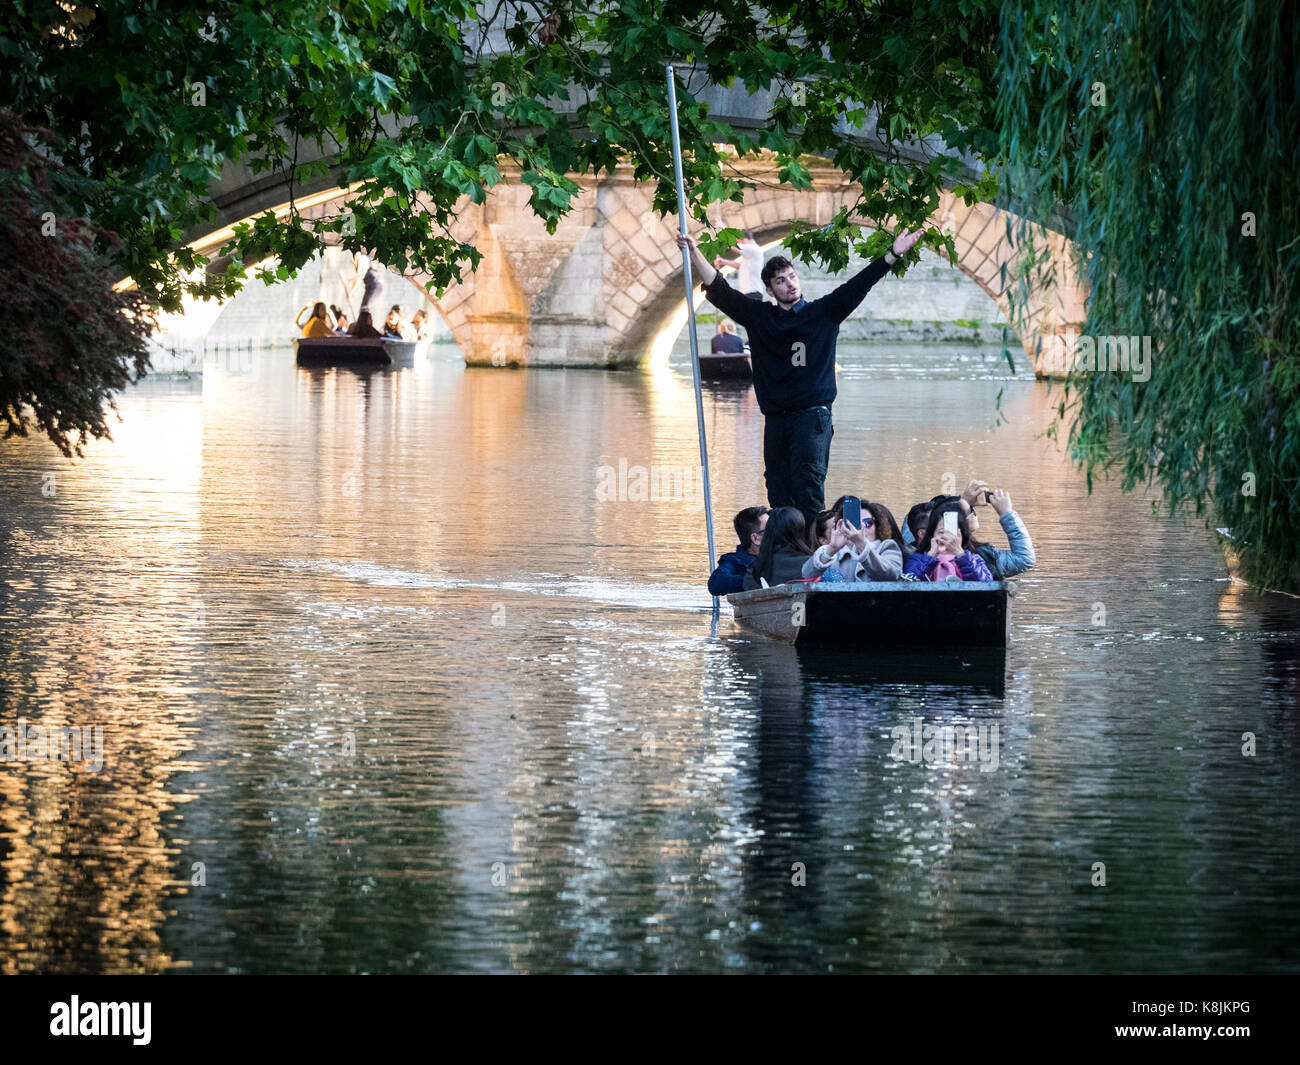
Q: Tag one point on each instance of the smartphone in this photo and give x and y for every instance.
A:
(853, 512)
(950, 522)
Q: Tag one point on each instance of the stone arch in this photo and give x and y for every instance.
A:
(981, 243)
(607, 285)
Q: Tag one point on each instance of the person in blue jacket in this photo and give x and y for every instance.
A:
(1021, 556)
(729, 577)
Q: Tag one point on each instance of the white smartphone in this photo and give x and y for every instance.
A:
(950, 521)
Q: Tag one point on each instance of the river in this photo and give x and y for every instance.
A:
(386, 686)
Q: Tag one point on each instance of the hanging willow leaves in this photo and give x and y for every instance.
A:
(1171, 135)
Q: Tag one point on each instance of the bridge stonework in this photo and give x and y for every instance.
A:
(607, 284)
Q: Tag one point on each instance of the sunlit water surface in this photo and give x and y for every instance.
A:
(386, 686)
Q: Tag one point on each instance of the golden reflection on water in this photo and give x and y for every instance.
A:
(89, 869)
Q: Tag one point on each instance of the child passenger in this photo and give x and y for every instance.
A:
(942, 555)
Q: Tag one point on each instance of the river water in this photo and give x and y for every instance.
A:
(387, 683)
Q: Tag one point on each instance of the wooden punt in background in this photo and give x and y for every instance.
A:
(881, 614)
(725, 367)
(357, 351)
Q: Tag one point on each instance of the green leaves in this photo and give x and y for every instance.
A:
(1153, 176)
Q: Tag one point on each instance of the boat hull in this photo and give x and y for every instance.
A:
(356, 351)
(725, 368)
(341, 351)
(881, 614)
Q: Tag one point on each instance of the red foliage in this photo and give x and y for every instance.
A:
(69, 341)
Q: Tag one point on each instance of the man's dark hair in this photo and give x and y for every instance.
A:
(917, 517)
(748, 234)
(747, 522)
(774, 266)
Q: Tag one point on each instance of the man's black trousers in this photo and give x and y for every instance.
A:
(796, 452)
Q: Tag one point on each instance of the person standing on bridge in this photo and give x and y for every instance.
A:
(367, 271)
(748, 265)
(792, 348)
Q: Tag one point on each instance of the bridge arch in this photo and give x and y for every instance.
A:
(606, 288)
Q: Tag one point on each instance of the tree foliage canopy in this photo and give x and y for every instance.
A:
(423, 103)
(1172, 133)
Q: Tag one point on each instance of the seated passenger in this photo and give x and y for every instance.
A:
(420, 325)
(870, 552)
(725, 341)
(730, 575)
(364, 327)
(784, 551)
(319, 324)
(340, 319)
(941, 555)
(1021, 556)
(395, 328)
(914, 523)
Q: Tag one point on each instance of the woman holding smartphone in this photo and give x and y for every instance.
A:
(946, 550)
(855, 548)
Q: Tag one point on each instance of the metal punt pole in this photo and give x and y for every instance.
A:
(690, 319)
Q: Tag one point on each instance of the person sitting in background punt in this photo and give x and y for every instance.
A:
(725, 341)
(395, 328)
(340, 319)
(420, 325)
(784, 551)
(939, 552)
(320, 324)
(363, 327)
(729, 577)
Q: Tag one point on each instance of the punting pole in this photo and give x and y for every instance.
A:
(690, 318)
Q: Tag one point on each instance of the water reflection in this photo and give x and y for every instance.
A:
(387, 686)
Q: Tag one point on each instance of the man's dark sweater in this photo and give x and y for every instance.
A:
(786, 378)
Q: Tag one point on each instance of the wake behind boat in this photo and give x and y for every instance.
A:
(877, 614)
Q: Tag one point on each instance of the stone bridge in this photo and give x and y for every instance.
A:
(606, 289)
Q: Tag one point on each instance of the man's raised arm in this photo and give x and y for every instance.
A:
(721, 295)
(841, 302)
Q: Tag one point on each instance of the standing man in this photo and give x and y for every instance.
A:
(365, 270)
(749, 267)
(792, 347)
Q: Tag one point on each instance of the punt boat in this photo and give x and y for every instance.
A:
(727, 366)
(880, 613)
(355, 351)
